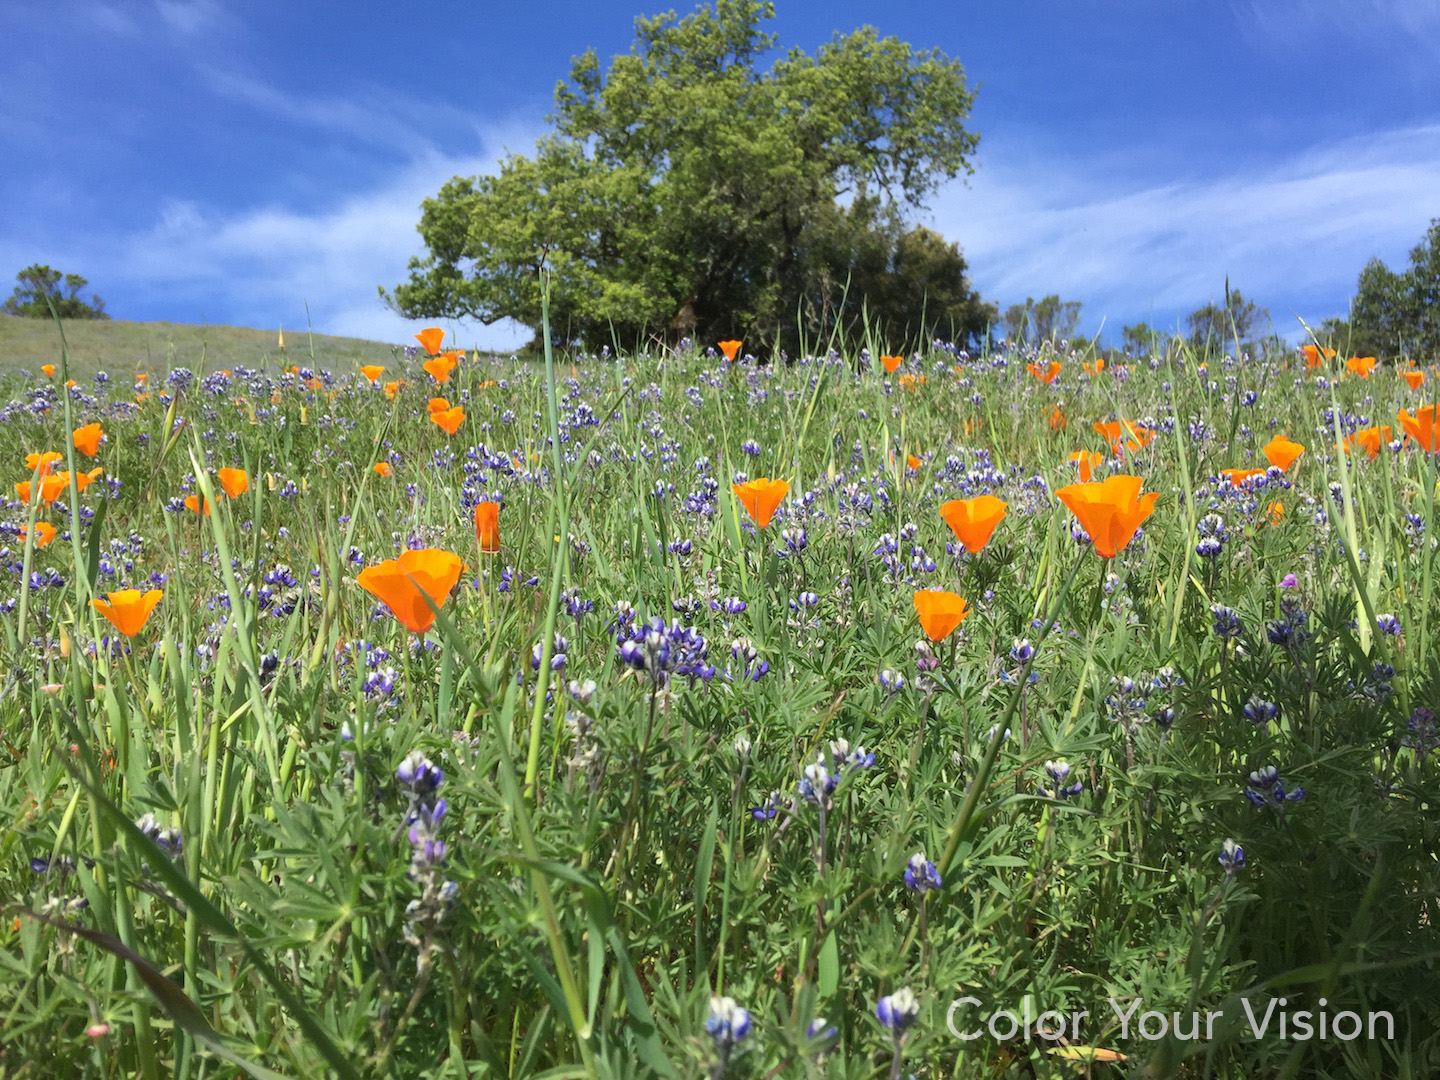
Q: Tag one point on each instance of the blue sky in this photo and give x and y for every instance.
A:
(229, 162)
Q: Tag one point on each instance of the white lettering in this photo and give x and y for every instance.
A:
(950, 1019)
(1389, 1023)
(1160, 1032)
(1014, 1025)
(1257, 1029)
(1124, 1017)
(1354, 1031)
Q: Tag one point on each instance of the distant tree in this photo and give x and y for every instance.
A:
(1141, 339)
(40, 286)
(1047, 319)
(686, 190)
(903, 284)
(1217, 326)
(1395, 314)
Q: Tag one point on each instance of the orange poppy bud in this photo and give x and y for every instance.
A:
(48, 369)
(487, 526)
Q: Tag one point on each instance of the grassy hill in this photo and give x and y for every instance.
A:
(118, 346)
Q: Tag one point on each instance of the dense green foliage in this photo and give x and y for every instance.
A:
(220, 855)
(688, 192)
(1396, 314)
(40, 296)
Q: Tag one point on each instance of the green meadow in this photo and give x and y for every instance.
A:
(738, 733)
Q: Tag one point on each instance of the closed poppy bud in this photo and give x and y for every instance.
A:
(87, 439)
(487, 526)
(128, 609)
(235, 482)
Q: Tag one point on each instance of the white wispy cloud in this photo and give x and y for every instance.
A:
(1293, 237)
(269, 264)
(1408, 29)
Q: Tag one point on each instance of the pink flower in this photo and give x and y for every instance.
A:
(1289, 582)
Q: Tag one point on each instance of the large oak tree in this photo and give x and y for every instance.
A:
(688, 191)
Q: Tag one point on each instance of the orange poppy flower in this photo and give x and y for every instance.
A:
(1087, 462)
(43, 462)
(449, 420)
(1360, 365)
(760, 498)
(973, 520)
(235, 482)
(1095, 368)
(1058, 420)
(1237, 477)
(909, 382)
(196, 505)
(891, 363)
(437, 404)
(487, 526)
(1315, 356)
(439, 368)
(1277, 512)
(1045, 374)
(391, 389)
(912, 462)
(1421, 427)
(128, 609)
(142, 378)
(403, 584)
(382, 468)
(1413, 379)
(940, 612)
(372, 372)
(1281, 452)
(1116, 432)
(44, 533)
(87, 439)
(1109, 510)
(431, 338)
(48, 369)
(1370, 439)
(731, 349)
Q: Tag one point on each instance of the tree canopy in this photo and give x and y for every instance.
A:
(1397, 314)
(687, 191)
(1217, 326)
(40, 286)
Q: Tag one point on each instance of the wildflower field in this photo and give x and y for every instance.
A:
(679, 714)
